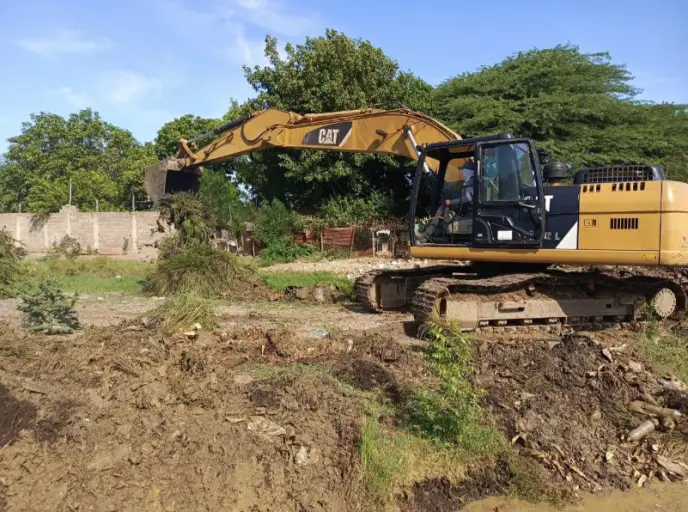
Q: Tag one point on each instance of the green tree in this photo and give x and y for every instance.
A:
(580, 108)
(185, 127)
(326, 74)
(103, 161)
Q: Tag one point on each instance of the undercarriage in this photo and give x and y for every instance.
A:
(483, 298)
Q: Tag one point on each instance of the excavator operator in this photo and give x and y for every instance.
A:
(454, 199)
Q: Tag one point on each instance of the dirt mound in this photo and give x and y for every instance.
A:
(570, 405)
(130, 418)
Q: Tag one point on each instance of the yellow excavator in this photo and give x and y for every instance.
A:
(523, 226)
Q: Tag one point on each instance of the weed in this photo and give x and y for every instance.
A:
(47, 309)
(452, 415)
(181, 312)
(281, 281)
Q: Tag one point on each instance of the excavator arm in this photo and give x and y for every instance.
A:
(389, 132)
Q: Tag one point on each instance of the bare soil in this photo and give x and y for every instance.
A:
(265, 413)
(250, 418)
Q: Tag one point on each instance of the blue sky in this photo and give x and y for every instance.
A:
(141, 63)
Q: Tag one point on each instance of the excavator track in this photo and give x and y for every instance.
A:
(541, 301)
(382, 290)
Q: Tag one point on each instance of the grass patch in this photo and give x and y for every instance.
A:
(392, 460)
(88, 275)
(280, 281)
(181, 312)
(665, 351)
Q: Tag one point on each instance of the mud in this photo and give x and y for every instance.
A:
(127, 418)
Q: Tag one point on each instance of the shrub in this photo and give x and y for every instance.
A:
(47, 309)
(68, 247)
(11, 270)
(284, 251)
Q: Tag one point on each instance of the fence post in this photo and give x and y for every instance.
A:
(96, 227)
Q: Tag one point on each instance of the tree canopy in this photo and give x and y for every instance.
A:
(327, 74)
(580, 108)
(104, 162)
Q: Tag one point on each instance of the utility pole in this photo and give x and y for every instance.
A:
(70, 191)
(133, 202)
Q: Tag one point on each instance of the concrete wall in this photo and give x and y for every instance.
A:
(108, 232)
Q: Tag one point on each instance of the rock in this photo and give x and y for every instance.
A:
(135, 459)
(635, 367)
(607, 355)
(302, 293)
(320, 333)
(290, 403)
(301, 457)
(197, 327)
(192, 335)
(672, 467)
(596, 415)
(118, 277)
(608, 456)
(319, 295)
(265, 427)
(349, 345)
(390, 355)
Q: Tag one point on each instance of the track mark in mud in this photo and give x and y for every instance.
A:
(15, 416)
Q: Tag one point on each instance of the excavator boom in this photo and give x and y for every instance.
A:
(390, 132)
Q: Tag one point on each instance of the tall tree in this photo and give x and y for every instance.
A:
(579, 107)
(326, 74)
(103, 162)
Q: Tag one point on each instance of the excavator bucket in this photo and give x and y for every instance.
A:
(169, 176)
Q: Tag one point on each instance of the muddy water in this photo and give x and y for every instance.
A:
(658, 497)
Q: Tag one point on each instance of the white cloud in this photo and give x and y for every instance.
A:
(274, 16)
(126, 87)
(225, 25)
(64, 41)
(79, 100)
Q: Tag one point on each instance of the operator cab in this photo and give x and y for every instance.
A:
(497, 199)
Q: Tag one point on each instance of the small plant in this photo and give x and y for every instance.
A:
(47, 309)
(11, 270)
(452, 415)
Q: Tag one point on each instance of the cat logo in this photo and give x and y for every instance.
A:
(328, 137)
(331, 135)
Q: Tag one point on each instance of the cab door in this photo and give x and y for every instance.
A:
(509, 201)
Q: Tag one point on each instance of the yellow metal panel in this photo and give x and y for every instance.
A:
(675, 196)
(595, 232)
(563, 256)
(674, 248)
(632, 197)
